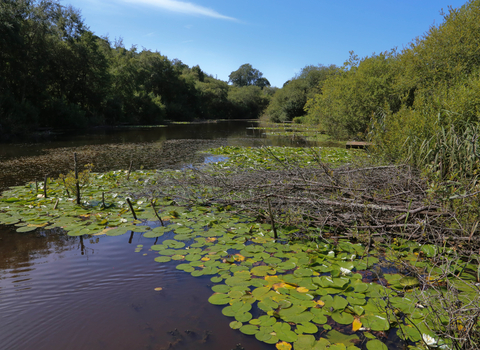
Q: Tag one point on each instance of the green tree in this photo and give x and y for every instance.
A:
(213, 99)
(246, 75)
(348, 100)
(247, 102)
(289, 101)
(438, 80)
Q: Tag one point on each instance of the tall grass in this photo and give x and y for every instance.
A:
(451, 153)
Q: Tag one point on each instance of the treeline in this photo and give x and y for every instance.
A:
(55, 72)
(415, 103)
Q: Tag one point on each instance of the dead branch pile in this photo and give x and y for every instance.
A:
(347, 201)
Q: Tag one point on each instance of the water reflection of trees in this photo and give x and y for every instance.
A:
(18, 250)
(160, 155)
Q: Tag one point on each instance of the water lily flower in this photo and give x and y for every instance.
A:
(123, 220)
(345, 271)
(430, 341)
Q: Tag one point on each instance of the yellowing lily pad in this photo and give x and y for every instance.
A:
(283, 346)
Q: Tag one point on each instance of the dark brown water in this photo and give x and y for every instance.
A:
(61, 292)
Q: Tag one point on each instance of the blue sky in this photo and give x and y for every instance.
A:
(277, 37)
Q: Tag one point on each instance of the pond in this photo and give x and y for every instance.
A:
(63, 292)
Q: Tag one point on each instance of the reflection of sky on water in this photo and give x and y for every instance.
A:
(214, 159)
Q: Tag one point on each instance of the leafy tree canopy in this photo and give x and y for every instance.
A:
(246, 75)
(289, 102)
(55, 72)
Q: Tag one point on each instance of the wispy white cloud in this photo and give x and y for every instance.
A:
(184, 7)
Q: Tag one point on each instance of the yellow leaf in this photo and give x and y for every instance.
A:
(356, 325)
(319, 302)
(283, 346)
(279, 285)
(302, 290)
(40, 225)
(205, 258)
(104, 231)
(239, 257)
(158, 289)
(272, 280)
(211, 239)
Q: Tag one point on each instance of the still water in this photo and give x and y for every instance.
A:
(61, 292)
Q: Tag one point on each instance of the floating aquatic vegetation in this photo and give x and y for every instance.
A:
(297, 291)
(309, 295)
(299, 132)
(270, 158)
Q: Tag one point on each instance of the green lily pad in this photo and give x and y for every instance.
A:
(163, 259)
(303, 272)
(219, 299)
(376, 345)
(304, 342)
(306, 327)
(118, 231)
(342, 317)
(376, 322)
(26, 228)
(334, 337)
(339, 303)
(243, 316)
(262, 271)
(249, 329)
(408, 282)
(235, 325)
(170, 243)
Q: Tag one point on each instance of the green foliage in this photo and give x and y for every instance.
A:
(246, 75)
(438, 82)
(248, 102)
(289, 102)
(54, 72)
(349, 99)
(409, 103)
(213, 98)
(70, 182)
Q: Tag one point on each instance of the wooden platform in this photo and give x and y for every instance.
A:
(358, 144)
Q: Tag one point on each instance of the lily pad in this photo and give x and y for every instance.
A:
(219, 299)
(376, 345)
(342, 317)
(249, 329)
(235, 325)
